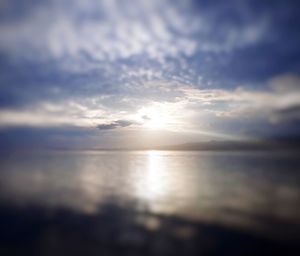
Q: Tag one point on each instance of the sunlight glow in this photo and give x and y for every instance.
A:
(155, 122)
(156, 116)
(154, 184)
(154, 177)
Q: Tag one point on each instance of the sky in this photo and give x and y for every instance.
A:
(86, 74)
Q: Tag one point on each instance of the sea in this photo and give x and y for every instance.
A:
(150, 203)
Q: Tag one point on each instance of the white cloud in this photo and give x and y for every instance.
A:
(60, 30)
(183, 107)
(109, 31)
(241, 102)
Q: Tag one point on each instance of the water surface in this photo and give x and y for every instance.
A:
(255, 193)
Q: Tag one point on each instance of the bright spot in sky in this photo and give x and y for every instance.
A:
(155, 122)
(155, 117)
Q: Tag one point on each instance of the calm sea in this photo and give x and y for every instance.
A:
(162, 192)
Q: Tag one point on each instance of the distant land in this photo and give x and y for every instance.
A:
(282, 144)
(266, 144)
(235, 145)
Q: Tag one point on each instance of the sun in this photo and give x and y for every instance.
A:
(155, 122)
(154, 117)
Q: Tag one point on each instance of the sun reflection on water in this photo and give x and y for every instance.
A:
(154, 183)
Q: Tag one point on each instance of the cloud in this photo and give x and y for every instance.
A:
(83, 63)
(115, 125)
(285, 115)
(283, 94)
(146, 118)
(185, 104)
(102, 29)
(127, 42)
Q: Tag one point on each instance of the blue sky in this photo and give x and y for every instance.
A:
(123, 73)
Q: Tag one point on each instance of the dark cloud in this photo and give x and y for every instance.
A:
(146, 118)
(115, 125)
(288, 114)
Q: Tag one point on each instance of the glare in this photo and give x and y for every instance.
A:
(156, 117)
(153, 185)
(155, 122)
(155, 182)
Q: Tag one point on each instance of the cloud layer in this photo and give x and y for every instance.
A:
(115, 125)
(190, 66)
